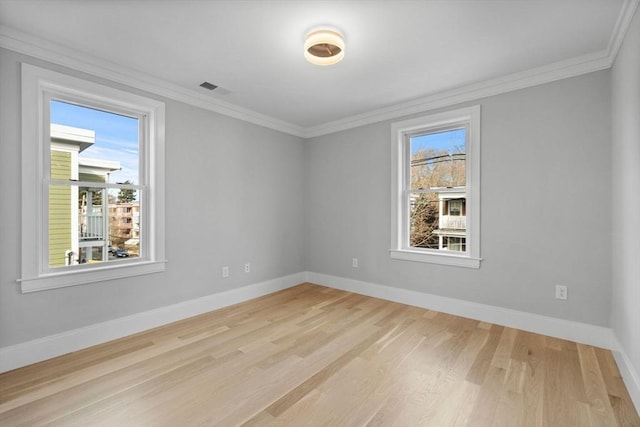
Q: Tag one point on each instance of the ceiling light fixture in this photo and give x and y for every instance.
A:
(324, 46)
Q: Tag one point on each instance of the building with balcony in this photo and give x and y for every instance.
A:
(452, 219)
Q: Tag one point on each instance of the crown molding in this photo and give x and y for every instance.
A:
(620, 29)
(46, 50)
(537, 76)
(571, 67)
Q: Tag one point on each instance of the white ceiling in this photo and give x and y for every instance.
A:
(396, 51)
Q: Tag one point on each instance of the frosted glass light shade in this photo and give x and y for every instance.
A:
(324, 46)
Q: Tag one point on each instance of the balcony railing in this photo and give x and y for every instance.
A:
(91, 227)
(452, 222)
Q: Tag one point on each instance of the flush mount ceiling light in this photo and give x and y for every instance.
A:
(324, 46)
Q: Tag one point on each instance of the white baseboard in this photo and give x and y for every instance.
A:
(29, 352)
(566, 329)
(630, 376)
(560, 328)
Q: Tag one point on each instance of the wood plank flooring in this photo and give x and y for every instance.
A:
(316, 356)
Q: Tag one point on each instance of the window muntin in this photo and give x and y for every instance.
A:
(435, 188)
(40, 89)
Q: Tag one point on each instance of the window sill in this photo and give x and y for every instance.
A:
(81, 277)
(436, 258)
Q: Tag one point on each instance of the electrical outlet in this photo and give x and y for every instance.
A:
(354, 262)
(225, 271)
(247, 267)
(561, 292)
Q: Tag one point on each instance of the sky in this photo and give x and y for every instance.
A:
(447, 140)
(116, 136)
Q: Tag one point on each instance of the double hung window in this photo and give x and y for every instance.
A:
(436, 188)
(93, 196)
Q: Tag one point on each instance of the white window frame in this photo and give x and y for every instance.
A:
(400, 187)
(38, 85)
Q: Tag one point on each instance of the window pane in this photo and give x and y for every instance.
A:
(62, 250)
(76, 222)
(424, 217)
(93, 145)
(438, 216)
(124, 223)
(86, 227)
(91, 222)
(438, 221)
(438, 160)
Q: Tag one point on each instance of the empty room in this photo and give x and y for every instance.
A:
(319, 213)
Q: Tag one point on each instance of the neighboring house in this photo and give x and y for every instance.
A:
(76, 222)
(452, 219)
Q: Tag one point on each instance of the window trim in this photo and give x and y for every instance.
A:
(400, 161)
(37, 85)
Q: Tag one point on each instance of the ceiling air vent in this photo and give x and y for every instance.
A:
(208, 85)
(218, 90)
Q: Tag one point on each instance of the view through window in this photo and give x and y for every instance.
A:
(94, 191)
(437, 193)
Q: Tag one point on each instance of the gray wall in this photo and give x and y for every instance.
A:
(545, 194)
(234, 194)
(625, 312)
(238, 192)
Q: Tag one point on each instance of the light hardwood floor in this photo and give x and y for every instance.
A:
(312, 355)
